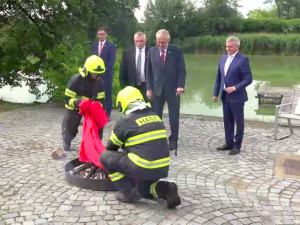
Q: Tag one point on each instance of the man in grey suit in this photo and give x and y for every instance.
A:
(134, 63)
(165, 81)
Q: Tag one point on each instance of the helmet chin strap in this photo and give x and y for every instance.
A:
(137, 105)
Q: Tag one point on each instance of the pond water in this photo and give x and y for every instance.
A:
(273, 71)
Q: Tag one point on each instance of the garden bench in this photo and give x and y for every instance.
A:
(289, 111)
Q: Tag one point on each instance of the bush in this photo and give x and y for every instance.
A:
(270, 25)
(260, 43)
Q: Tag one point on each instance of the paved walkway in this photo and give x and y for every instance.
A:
(215, 188)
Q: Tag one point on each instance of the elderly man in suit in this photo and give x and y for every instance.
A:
(107, 51)
(134, 64)
(166, 81)
(233, 76)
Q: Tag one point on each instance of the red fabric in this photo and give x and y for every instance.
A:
(95, 118)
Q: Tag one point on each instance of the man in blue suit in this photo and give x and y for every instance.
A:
(165, 81)
(107, 51)
(234, 75)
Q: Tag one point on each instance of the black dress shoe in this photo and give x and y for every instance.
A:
(234, 151)
(129, 196)
(224, 147)
(172, 145)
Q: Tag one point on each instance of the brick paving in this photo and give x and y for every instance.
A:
(215, 188)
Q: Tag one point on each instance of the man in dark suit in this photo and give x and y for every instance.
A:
(134, 63)
(234, 75)
(165, 81)
(107, 51)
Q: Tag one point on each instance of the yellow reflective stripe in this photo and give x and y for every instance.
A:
(115, 139)
(116, 176)
(149, 136)
(84, 97)
(70, 93)
(71, 102)
(101, 95)
(153, 189)
(69, 107)
(149, 164)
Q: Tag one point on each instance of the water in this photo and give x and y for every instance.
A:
(21, 94)
(273, 71)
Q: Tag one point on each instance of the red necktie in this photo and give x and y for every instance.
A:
(100, 48)
(162, 56)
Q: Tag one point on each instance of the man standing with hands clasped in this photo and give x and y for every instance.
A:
(233, 76)
(107, 51)
(165, 81)
(134, 64)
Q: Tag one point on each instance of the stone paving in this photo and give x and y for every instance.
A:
(215, 188)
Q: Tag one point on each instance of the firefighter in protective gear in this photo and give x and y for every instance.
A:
(136, 170)
(87, 84)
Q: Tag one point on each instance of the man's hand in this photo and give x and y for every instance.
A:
(179, 91)
(230, 90)
(215, 98)
(149, 94)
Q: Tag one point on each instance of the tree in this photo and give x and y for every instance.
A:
(262, 13)
(42, 40)
(221, 16)
(173, 15)
(286, 9)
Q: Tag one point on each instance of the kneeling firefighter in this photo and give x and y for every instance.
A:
(87, 84)
(141, 134)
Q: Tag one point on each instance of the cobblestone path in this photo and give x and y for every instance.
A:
(215, 188)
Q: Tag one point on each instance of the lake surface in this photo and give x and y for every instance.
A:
(271, 71)
(267, 71)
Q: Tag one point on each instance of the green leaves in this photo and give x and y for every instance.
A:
(32, 59)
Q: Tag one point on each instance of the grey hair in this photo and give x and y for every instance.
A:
(139, 34)
(234, 39)
(164, 33)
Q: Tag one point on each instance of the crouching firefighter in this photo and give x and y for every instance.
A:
(87, 84)
(136, 170)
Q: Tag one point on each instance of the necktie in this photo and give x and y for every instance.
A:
(162, 56)
(100, 48)
(227, 64)
(139, 68)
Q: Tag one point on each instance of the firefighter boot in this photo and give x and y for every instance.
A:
(66, 145)
(129, 196)
(168, 191)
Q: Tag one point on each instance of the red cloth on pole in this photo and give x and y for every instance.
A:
(95, 118)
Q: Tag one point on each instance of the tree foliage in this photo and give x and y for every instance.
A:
(179, 17)
(286, 9)
(42, 40)
(262, 13)
(221, 16)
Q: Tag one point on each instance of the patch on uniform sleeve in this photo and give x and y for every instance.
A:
(147, 119)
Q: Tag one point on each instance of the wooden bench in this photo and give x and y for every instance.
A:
(289, 111)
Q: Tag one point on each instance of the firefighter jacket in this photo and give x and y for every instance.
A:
(84, 88)
(143, 136)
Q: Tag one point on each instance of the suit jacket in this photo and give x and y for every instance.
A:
(128, 74)
(108, 54)
(238, 75)
(170, 75)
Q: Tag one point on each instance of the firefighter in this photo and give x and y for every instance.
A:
(87, 84)
(136, 170)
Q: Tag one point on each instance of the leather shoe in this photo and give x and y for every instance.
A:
(234, 151)
(224, 147)
(172, 145)
(129, 196)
